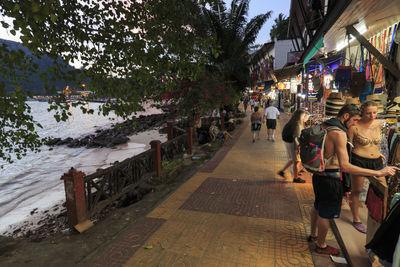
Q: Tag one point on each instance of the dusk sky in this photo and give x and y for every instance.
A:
(262, 6)
(256, 7)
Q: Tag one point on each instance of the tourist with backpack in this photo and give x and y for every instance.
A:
(324, 150)
(290, 135)
(255, 124)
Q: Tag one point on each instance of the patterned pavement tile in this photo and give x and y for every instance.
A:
(120, 251)
(260, 199)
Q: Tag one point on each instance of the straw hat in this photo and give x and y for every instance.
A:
(338, 95)
(394, 106)
(352, 100)
(333, 107)
(373, 98)
(337, 102)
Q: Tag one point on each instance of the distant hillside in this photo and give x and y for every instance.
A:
(36, 86)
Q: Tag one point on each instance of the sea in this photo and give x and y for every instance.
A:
(33, 182)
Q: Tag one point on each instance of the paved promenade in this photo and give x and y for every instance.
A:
(235, 212)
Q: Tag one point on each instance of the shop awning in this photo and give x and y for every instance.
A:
(313, 51)
(287, 72)
(368, 16)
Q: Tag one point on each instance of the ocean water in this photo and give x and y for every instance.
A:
(34, 181)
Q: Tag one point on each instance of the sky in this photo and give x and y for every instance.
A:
(258, 7)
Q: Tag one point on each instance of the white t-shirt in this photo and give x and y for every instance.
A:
(271, 113)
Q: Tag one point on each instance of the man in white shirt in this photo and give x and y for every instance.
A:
(271, 113)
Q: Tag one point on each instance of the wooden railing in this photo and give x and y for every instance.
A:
(88, 194)
(105, 186)
(175, 148)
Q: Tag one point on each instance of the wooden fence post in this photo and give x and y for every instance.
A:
(156, 145)
(189, 131)
(75, 196)
(170, 130)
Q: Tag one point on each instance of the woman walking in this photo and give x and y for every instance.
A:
(256, 123)
(366, 137)
(290, 135)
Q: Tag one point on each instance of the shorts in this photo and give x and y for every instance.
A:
(255, 127)
(220, 135)
(291, 151)
(372, 164)
(328, 191)
(271, 124)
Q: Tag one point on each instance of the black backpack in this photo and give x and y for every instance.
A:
(312, 144)
(287, 133)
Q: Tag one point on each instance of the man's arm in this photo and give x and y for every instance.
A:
(340, 140)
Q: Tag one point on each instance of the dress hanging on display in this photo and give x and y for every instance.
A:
(343, 78)
(384, 242)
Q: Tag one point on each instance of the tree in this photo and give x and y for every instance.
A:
(280, 28)
(234, 36)
(129, 50)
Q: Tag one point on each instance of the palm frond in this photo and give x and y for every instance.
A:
(253, 28)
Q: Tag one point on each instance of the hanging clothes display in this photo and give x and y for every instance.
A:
(357, 85)
(384, 242)
(343, 77)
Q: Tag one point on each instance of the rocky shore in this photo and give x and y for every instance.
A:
(116, 135)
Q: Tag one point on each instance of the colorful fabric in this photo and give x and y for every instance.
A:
(374, 204)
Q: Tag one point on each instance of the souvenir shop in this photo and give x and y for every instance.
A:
(353, 76)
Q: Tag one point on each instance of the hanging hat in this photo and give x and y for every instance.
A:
(337, 102)
(394, 106)
(335, 95)
(352, 100)
(374, 97)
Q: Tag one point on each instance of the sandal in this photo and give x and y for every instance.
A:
(311, 238)
(359, 227)
(328, 250)
(298, 180)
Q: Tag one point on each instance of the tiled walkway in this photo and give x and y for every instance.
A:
(235, 212)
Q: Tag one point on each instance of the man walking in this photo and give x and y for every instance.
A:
(271, 113)
(328, 185)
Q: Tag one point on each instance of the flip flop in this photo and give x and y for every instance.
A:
(359, 227)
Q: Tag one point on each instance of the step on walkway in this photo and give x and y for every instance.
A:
(235, 212)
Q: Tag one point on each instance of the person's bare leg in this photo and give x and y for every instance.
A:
(288, 164)
(296, 169)
(254, 136)
(323, 226)
(228, 135)
(314, 220)
(356, 184)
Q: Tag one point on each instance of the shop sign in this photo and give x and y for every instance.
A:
(283, 85)
(293, 85)
(312, 97)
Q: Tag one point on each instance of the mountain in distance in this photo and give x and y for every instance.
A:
(35, 84)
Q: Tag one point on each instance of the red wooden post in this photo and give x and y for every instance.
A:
(189, 131)
(75, 196)
(170, 130)
(222, 121)
(156, 145)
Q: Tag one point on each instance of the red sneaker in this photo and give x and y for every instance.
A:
(328, 250)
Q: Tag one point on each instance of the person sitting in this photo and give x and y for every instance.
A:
(216, 133)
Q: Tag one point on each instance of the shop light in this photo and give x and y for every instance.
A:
(344, 43)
